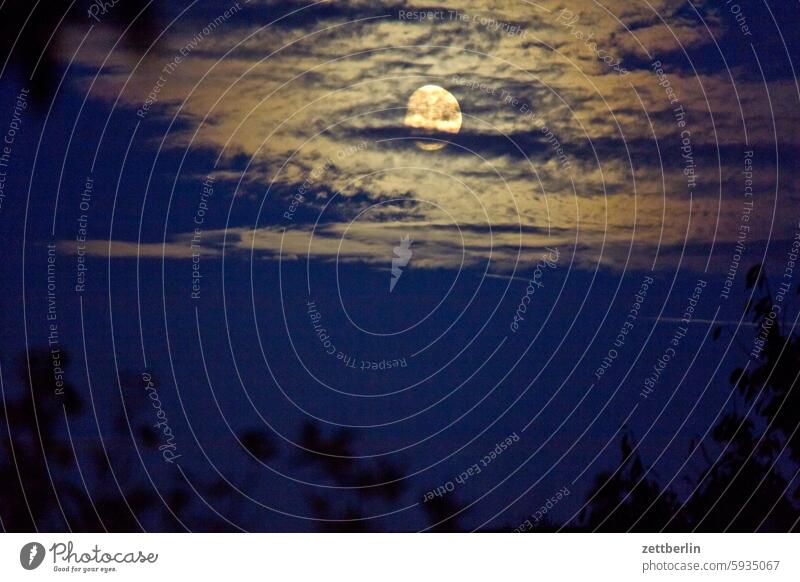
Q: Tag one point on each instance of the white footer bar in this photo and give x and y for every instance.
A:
(400, 557)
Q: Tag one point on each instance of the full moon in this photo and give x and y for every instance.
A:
(433, 112)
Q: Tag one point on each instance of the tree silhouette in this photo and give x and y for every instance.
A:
(745, 488)
(46, 486)
(54, 480)
(31, 34)
(627, 500)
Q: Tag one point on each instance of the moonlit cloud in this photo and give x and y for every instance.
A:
(534, 91)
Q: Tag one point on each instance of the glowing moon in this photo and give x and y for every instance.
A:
(433, 112)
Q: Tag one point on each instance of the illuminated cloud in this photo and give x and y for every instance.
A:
(537, 84)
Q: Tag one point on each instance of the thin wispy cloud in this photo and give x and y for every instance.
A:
(331, 83)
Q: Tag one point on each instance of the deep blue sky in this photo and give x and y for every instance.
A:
(441, 426)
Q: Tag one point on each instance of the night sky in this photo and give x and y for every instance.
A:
(250, 296)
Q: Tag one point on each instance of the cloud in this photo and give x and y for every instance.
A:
(131, 249)
(328, 88)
